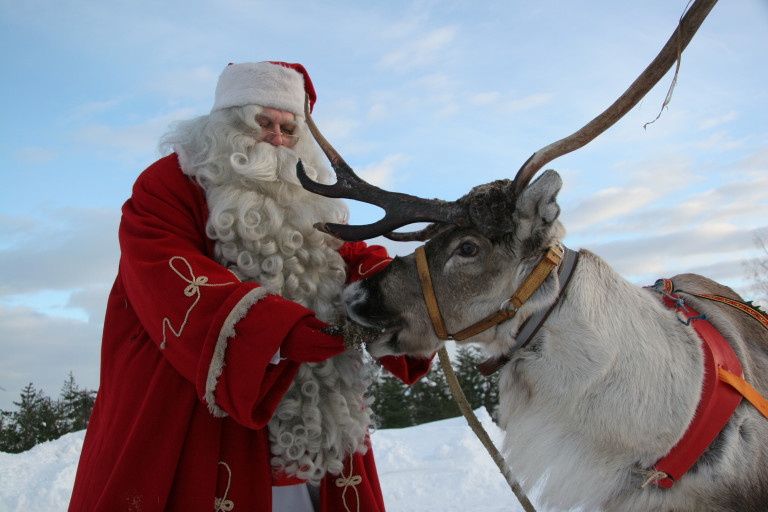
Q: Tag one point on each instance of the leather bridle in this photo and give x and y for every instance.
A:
(508, 309)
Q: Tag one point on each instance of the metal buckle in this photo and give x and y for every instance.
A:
(504, 306)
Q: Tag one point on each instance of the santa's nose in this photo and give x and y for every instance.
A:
(277, 139)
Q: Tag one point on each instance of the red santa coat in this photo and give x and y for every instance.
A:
(183, 428)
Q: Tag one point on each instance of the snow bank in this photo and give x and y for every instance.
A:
(440, 467)
(40, 480)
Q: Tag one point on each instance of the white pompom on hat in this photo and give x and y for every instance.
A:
(277, 85)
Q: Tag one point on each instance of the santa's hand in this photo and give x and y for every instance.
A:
(355, 335)
(307, 343)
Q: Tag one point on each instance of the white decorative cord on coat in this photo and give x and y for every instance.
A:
(192, 289)
(223, 504)
(348, 481)
(363, 273)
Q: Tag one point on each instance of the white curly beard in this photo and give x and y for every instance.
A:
(263, 223)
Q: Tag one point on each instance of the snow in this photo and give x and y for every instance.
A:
(40, 479)
(439, 466)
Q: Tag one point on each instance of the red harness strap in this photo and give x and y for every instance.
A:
(718, 400)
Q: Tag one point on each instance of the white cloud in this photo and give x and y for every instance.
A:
(337, 128)
(43, 350)
(756, 162)
(666, 173)
(376, 112)
(686, 250)
(179, 84)
(87, 110)
(484, 98)
(381, 173)
(64, 249)
(713, 122)
(57, 271)
(607, 204)
(429, 48)
(141, 138)
(526, 103)
(53, 303)
(35, 155)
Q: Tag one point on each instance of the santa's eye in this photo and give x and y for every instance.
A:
(264, 122)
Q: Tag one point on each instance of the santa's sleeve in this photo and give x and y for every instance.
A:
(218, 332)
(364, 261)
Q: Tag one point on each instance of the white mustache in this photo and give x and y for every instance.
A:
(265, 162)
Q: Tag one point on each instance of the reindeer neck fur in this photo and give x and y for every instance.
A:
(586, 405)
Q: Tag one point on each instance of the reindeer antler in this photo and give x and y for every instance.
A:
(479, 208)
(671, 52)
(401, 209)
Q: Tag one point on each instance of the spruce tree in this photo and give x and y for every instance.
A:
(391, 406)
(37, 420)
(431, 398)
(397, 405)
(481, 391)
(76, 405)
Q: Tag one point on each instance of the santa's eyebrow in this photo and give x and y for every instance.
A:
(292, 122)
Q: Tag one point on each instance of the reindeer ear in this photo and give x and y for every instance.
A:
(536, 213)
(539, 199)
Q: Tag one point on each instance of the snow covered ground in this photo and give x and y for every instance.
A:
(440, 467)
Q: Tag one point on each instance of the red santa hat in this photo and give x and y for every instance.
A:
(277, 85)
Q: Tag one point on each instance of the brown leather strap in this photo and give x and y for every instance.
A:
(507, 310)
(429, 294)
(532, 325)
(535, 278)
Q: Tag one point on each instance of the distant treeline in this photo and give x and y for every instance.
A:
(40, 418)
(429, 399)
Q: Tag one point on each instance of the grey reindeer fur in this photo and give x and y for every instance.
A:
(606, 387)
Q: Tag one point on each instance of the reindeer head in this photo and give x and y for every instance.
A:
(480, 249)
(473, 270)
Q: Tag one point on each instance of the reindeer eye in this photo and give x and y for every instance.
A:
(467, 249)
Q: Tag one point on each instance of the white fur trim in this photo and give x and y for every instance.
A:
(260, 83)
(227, 332)
(183, 157)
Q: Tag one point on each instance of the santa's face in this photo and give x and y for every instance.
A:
(262, 220)
(278, 127)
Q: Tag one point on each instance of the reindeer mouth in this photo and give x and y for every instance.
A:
(379, 324)
(391, 329)
(386, 341)
(382, 334)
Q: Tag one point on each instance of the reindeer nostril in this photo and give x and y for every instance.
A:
(353, 294)
(391, 329)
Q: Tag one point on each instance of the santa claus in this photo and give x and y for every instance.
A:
(220, 387)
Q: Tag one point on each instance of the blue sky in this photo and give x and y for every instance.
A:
(425, 97)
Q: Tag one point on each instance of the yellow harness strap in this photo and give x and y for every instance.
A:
(743, 387)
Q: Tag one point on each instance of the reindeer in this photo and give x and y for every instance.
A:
(608, 384)
(612, 397)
